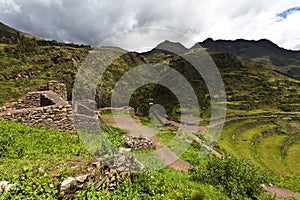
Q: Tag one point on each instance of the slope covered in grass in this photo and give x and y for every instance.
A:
(267, 152)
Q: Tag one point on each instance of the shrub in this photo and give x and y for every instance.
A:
(236, 178)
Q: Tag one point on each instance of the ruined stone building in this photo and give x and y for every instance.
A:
(45, 106)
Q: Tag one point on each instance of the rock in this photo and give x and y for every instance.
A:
(82, 178)
(97, 165)
(121, 159)
(5, 186)
(41, 170)
(124, 150)
(67, 183)
(138, 142)
(99, 184)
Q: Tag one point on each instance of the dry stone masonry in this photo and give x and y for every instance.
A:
(138, 142)
(46, 106)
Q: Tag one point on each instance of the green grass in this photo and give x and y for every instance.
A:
(225, 140)
(165, 184)
(244, 142)
(293, 157)
(268, 150)
(33, 158)
(266, 154)
(43, 64)
(166, 137)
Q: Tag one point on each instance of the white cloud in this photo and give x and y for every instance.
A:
(92, 21)
(8, 6)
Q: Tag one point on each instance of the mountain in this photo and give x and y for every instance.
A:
(262, 51)
(250, 85)
(252, 81)
(10, 35)
(164, 50)
(172, 46)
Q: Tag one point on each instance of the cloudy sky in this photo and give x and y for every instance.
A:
(93, 21)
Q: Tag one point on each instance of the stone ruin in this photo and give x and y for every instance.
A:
(138, 142)
(45, 106)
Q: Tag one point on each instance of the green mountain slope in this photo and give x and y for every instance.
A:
(249, 85)
(9, 35)
(262, 51)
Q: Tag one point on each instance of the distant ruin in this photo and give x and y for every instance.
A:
(45, 106)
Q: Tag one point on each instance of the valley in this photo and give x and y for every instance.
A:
(259, 143)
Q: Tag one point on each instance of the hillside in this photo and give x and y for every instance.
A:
(262, 51)
(254, 79)
(260, 142)
(9, 35)
(249, 85)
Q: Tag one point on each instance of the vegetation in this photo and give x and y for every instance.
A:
(33, 159)
(37, 160)
(249, 86)
(238, 180)
(262, 52)
(280, 168)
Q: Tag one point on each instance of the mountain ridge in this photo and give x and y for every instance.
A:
(265, 52)
(249, 84)
(9, 35)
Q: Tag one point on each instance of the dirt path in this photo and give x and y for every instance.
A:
(277, 192)
(135, 128)
(167, 157)
(191, 129)
(280, 193)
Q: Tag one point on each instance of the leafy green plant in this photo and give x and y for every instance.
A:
(235, 177)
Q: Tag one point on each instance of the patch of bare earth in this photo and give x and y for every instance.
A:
(280, 193)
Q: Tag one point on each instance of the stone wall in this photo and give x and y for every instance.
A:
(30, 100)
(58, 117)
(265, 133)
(246, 126)
(54, 86)
(58, 88)
(42, 108)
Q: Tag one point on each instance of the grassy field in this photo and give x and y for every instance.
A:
(37, 160)
(293, 157)
(269, 154)
(244, 143)
(225, 140)
(266, 154)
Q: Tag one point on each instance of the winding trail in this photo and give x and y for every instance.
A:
(166, 156)
(280, 193)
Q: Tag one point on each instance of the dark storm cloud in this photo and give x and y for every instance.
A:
(91, 21)
(69, 20)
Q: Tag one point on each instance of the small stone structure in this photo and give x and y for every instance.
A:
(138, 142)
(46, 106)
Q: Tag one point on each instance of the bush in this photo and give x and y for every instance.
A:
(236, 178)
